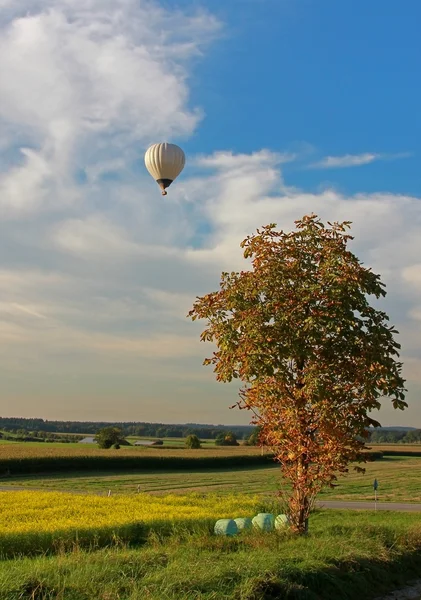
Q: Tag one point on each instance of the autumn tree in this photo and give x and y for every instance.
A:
(226, 438)
(314, 355)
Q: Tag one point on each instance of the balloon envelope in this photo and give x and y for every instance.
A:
(164, 162)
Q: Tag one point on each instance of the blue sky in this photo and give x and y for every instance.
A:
(283, 107)
(340, 77)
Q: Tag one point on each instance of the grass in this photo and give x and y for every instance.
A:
(399, 480)
(347, 555)
(171, 442)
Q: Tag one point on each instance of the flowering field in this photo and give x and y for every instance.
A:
(32, 522)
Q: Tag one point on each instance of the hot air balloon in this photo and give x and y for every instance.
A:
(164, 162)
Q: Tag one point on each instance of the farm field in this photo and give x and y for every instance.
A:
(57, 449)
(33, 522)
(347, 555)
(171, 447)
(407, 448)
(399, 480)
(158, 544)
(171, 442)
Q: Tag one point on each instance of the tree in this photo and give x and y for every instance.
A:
(254, 438)
(314, 356)
(109, 436)
(226, 438)
(193, 442)
(413, 437)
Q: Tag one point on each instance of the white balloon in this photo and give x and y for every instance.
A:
(164, 162)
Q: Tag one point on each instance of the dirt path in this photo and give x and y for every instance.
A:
(411, 592)
(344, 504)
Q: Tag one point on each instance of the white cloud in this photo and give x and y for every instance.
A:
(411, 274)
(94, 235)
(229, 161)
(354, 160)
(84, 83)
(97, 270)
(126, 275)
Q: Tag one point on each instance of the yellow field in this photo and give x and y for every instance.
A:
(36, 521)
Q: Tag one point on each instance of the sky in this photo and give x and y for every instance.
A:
(283, 108)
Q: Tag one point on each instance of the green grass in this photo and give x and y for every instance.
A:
(347, 555)
(170, 441)
(248, 480)
(29, 445)
(399, 481)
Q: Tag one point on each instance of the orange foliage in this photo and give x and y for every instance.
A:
(314, 355)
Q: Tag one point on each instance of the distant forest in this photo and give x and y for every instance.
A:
(41, 428)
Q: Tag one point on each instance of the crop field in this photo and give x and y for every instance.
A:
(31, 522)
(396, 447)
(26, 457)
(399, 480)
(11, 450)
(172, 446)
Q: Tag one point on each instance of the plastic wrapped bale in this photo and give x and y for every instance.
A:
(225, 527)
(264, 521)
(281, 522)
(243, 523)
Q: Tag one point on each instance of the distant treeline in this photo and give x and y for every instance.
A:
(395, 436)
(40, 427)
(44, 429)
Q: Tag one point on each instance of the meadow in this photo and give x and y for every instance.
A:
(62, 537)
(346, 555)
(399, 480)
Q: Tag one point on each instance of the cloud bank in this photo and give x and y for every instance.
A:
(97, 270)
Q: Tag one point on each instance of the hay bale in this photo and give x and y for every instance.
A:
(281, 521)
(225, 527)
(264, 521)
(243, 523)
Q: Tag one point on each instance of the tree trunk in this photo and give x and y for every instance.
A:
(301, 502)
(302, 523)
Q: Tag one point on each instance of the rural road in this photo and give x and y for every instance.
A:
(369, 505)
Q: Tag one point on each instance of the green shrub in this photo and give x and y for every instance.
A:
(193, 442)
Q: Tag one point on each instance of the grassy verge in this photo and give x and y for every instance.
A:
(347, 555)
